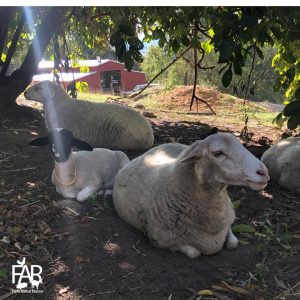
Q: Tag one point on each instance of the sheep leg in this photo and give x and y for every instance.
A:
(189, 251)
(85, 192)
(231, 240)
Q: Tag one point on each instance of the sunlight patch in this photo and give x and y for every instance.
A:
(158, 158)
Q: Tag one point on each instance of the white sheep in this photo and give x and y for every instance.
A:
(79, 174)
(283, 162)
(177, 194)
(102, 125)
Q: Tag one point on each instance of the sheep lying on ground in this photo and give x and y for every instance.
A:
(283, 162)
(177, 194)
(79, 174)
(102, 125)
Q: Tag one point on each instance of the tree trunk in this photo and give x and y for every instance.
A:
(12, 86)
(6, 14)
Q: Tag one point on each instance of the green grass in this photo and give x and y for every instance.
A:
(156, 101)
(95, 97)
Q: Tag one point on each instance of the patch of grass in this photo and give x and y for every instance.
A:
(96, 97)
(173, 105)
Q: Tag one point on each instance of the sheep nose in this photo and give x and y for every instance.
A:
(263, 171)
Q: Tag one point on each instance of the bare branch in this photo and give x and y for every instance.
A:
(161, 71)
(12, 48)
(49, 25)
(244, 133)
(249, 76)
(194, 97)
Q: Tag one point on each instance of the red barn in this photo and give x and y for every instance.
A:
(105, 75)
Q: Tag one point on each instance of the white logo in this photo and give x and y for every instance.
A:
(26, 278)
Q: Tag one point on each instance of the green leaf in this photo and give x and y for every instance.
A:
(226, 78)
(226, 51)
(294, 121)
(120, 50)
(185, 40)
(290, 73)
(276, 32)
(289, 57)
(277, 84)
(128, 61)
(175, 46)
(161, 42)
(291, 108)
(137, 56)
(286, 237)
(236, 204)
(135, 44)
(279, 120)
(126, 29)
(237, 68)
(3, 274)
(242, 228)
(155, 34)
(259, 53)
(116, 38)
(292, 35)
(297, 93)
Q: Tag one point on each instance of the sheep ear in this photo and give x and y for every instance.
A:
(81, 145)
(193, 153)
(40, 141)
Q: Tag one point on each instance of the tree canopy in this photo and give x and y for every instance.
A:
(234, 34)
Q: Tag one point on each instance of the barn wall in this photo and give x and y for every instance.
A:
(131, 79)
(128, 79)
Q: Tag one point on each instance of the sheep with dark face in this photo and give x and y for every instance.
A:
(104, 125)
(283, 162)
(79, 174)
(177, 194)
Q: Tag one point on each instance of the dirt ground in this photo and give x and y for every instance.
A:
(88, 252)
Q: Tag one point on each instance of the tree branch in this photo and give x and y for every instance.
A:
(38, 46)
(161, 71)
(244, 133)
(197, 64)
(11, 50)
(5, 17)
(249, 76)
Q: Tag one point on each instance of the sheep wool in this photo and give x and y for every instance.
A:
(177, 194)
(104, 125)
(283, 161)
(79, 174)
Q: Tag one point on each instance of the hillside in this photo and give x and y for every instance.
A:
(230, 111)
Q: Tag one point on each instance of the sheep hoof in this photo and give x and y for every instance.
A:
(231, 242)
(189, 251)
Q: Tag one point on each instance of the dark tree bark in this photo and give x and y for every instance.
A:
(6, 14)
(12, 86)
(13, 46)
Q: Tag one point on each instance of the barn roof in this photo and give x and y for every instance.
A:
(49, 64)
(46, 64)
(63, 77)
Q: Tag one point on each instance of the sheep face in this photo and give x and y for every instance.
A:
(41, 91)
(226, 161)
(60, 141)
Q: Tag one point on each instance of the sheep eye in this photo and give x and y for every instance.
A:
(218, 153)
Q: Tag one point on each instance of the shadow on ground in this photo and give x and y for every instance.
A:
(87, 252)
